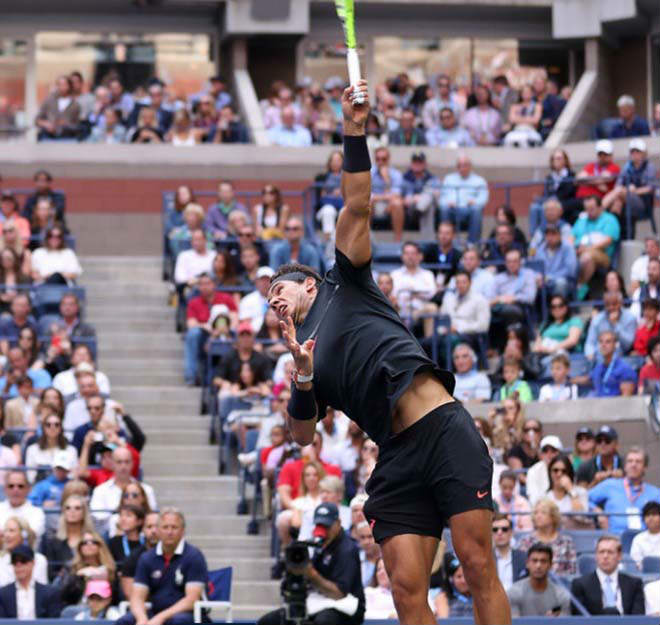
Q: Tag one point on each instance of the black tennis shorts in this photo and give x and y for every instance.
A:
(436, 468)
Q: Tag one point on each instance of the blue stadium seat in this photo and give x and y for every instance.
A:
(586, 564)
(387, 252)
(218, 594)
(627, 538)
(584, 540)
(651, 564)
(46, 298)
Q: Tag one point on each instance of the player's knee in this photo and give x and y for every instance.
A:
(476, 563)
(409, 596)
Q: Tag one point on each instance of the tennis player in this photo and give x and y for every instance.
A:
(352, 352)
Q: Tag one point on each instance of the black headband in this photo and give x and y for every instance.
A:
(295, 276)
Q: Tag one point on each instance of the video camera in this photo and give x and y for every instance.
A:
(294, 585)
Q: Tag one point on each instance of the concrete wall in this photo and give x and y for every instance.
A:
(629, 72)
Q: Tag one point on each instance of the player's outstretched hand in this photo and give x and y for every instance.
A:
(355, 113)
(303, 355)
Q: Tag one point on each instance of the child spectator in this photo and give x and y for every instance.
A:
(647, 543)
(648, 327)
(512, 383)
(560, 389)
(513, 504)
(650, 372)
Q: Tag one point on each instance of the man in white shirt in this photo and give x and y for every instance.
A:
(65, 381)
(652, 598)
(190, 263)
(647, 543)
(537, 475)
(107, 496)
(482, 281)
(639, 267)
(471, 385)
(414, 286)
(254, 305)
(76, 413)
(469, 310)
(17, 504)
(650, 289)
(369, 552)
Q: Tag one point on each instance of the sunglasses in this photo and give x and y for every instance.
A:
(601, 439)
(54, 236)
(90, 541)
(498, 528)
(584, 437)
(52, 424)
(73, 507)
(547, 448)
(20, 561)
(555, 306)
(557, 470)
(532, 429)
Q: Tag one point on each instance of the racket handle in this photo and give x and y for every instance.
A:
(353, 63)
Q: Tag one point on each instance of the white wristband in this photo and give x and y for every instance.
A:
(302, 379)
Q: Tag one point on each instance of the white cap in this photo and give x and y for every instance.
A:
(637, 144)
(605, 146)
(216, 311)
(551, 441)
(265, 272)
(63, 460)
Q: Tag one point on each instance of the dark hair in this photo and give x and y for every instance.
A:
(508, 475)
(49, 231)
(77, 74)
(413, 244)
(521, 333)
(566, 159)
(568, 467)
(58, 409)
(136, 510)
(540, 548)
(419, 96)
(297, 268)
(651, 507)
(42, 172)
(462, 272)
(501, 80)
(651, 302)
(17, 266)
(229, 277)
(179, 207)
(568, 311)
(24, 379)
(622, 284)
(276, 192)
(651, 345)
(592, 197)
(62, 442)
(508, 214)
(499, 516)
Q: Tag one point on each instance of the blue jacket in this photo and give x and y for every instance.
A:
(48, 489)
(46, 599)
(560, 264)
(280, 254)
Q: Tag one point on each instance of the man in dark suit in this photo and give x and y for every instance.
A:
(163, 115)
(511, 563)
(26, 599)
(607, 591)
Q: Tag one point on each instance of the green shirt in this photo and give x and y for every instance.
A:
(524, 392)
(559, 331)
(606, 224)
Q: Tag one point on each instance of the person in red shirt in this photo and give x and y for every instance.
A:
(648, 327)
(651, 370)
(197, 323)
(598, 178)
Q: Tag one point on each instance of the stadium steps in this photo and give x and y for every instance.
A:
(143, 356)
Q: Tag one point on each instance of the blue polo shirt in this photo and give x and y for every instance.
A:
(48, 489)
(607, 378)
(40, 379)
(167, 582)
(611, 496)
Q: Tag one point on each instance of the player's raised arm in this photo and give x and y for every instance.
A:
(352, 234)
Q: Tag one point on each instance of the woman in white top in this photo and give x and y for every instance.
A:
(51, 440)
(525, 118)
(55, 263)
(647, 543)
(16, 532)
(270, 216)
(567, 496)
(378, 595)
(182, 133)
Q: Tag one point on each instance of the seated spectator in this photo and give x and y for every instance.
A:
(649, 374)
(271, 215)
(331, 490)
(20, 412)
(513, 507)
(129, 568)
(523, 120)
(607, 590)
(639, 269)
(17, 367)
(146, 129)
(365, 464)
(280, 96)
(217, 218)
(567, 496)
(560, 262)
(229, 128)
(537, 595)
(471, 385)
(515, 289)
(92, 559)
(76, 413)
(102, 101)
(378, 594)
(183, 196)
(444, 97)
(162, 116)
(634, 191)
(43, 187)
(444, 252)
(250, 261)
(629, 124)
(288, 133)
(604, 464)
(407, 133)
(193, 219)
(598, 178)
(132, 494)
(294, 248)
(463, 198)
(505, 215)
(206, 116)
(9, 214)
(21, 317)
(584, 449)
(197, 327)
(12, 241)
(69, 318)
(182, 132)
(60, 546)
(16, 531)
(562, 332)
(224, 272)
(328, 194)
(55, 263)
(455, 600)
(59, 114)
(107, 496)
(503, 98)
(66, 381)
(616, 319)
(43, 219)
(42, 454)
(370, 553)
(596, 235)
(112, 131)
(648, 327)
(482, 121)
(420, 189)
(611, 376)
(507, 423)
(560, 389)
(546, 519)
(120, 99)
(498, 246)
(254, 306)
(625, 494)
(524, 454)
(84, 98)
(131, 521)
(47, 492)
(17, 489)
(647, 543)
(510, 562)
(98, 597)
(414, 287)
(513, 384)
(649, 289)
(547, 93)
(33, 350)
(448, 134)
(192, 263)
(26, 597)
(538, 481)
(387, 191)
(482, 281)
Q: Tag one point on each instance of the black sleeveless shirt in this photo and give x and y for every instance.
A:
(365, 357)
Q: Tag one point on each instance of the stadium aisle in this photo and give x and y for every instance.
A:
(141, 354)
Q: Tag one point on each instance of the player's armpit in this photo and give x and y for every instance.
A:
(352, 236)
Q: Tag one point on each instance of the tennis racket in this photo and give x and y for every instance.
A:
(346, 14)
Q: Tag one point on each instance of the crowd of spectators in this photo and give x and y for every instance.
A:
(108, 113)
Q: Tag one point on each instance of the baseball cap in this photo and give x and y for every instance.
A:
(218, 310)
(419, 157)
(98, 587)
(22, 552)
(551, 441)
(584, 430)
(265, 272)
(83, 367)
(637, 144)
(605, 146)
(62, 460)
(326, 514)
(607, 432)
(245, 326)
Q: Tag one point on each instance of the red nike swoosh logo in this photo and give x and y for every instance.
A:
(481, 495)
